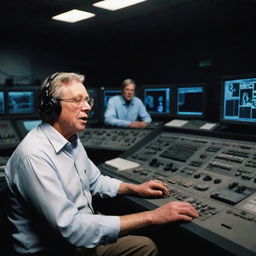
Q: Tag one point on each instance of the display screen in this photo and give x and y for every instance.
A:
(1, 102)
(239, 100)
(21, 102)
(157, 100)
(108, 93)
(190, 101)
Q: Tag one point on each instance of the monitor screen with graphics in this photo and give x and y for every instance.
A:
(157, 99)
(21, 102)
(238, 100)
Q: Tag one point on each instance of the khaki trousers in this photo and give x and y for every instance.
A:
(124, 246)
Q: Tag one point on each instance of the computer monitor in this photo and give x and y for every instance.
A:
(157, 99)
(190, 100)
(21, 102)
(108, 93)
(238, 99)
(2, 103)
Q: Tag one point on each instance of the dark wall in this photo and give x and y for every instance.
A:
(151, 50)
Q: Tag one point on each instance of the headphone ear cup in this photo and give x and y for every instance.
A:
(48, 106)
(57, 107)
(53, 108)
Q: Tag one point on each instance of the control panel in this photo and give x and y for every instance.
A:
(8, 135)
(112, 138)
(217, 176)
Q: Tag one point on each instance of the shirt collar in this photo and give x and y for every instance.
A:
(124, 102)
(56, 139)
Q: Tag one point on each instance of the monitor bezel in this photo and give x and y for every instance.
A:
(233, 77)
(204, 94)
(158, 86)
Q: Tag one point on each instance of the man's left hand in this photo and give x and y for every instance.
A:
(152, 188)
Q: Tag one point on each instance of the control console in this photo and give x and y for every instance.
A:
(112, 138)
(217, 176)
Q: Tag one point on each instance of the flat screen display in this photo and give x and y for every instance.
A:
(21, 102)
(190, 101)
(2, 105)
(239, 100)
(157, 100)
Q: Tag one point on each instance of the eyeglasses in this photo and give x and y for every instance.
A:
(79, 101)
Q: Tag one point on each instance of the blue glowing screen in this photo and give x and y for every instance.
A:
(157, 100)
(239, 100)
(21, 102)
(190, 101)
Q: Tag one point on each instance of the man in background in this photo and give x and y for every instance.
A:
(127, 110)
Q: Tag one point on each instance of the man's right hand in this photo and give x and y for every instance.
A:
(174, 211)
(169, 212)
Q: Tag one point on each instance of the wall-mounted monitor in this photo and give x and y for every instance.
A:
(21, 102)
(238, 99)
(157, 99)
(190, 100)
(2, 103)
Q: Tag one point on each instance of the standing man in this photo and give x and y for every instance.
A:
(127, 110)
(51, 182)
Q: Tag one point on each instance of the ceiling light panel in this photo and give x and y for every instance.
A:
(113, 5)
(73, 16)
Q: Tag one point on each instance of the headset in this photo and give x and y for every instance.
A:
(48, 106)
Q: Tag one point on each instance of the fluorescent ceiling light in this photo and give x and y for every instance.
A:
(113, 5)
(73, 16)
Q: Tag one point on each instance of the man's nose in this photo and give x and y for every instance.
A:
(86, 105)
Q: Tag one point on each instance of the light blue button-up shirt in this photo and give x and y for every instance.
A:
(119, 113)
(53, 177)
